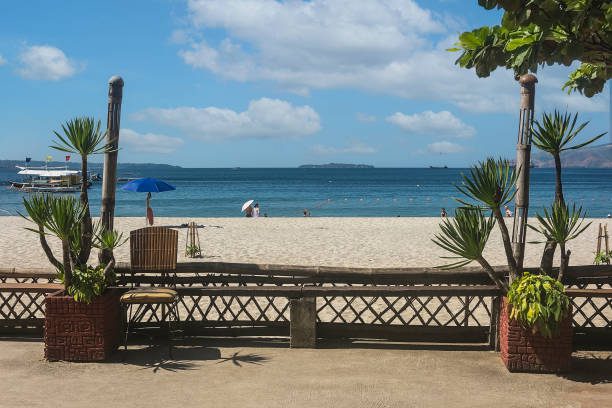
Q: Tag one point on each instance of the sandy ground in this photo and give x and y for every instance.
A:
(259, 373)
(361, 242)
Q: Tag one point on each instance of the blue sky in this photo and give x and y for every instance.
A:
(260, 83)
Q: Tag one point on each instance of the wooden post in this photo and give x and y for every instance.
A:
(606, 239)
(523, 162)
(109, 178)
(599, 235)
(303, 322)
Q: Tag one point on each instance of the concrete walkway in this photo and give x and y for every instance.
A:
(266, 373)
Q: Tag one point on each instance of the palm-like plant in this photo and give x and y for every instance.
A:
(466, 236)
(82, 136)
(62, 217)
(59, 219)
(554, 134)
(560, 225)
(492, 184)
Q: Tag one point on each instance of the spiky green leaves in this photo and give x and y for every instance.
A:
(491, 183)
(555, 132)
(561, 223)
(465, 235)
(81, 136)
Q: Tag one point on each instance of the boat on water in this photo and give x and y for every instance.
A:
(438, 167)
(48, 180)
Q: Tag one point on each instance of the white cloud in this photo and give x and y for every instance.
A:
(444, 147)
(576, 102)
(264, 118)
(44, 62)
(441, 123)
(2, 60)
(353, 148)
(387, 46)
(149, 142)
(365, 118)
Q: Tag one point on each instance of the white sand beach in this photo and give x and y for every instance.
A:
(359, 242)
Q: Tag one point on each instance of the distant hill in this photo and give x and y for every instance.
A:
(76, 163)
(336, 166)
(599, 156)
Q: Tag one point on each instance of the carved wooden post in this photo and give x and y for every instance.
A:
(523, 162)
(109, 180)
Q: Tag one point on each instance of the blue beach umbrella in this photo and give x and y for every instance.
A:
(148, 185)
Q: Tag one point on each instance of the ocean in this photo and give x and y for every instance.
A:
(286, 192)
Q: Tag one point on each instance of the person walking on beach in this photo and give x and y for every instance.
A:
(306, 212)
(149, 210)
(256, 210)
(443, 212)
(508, 212)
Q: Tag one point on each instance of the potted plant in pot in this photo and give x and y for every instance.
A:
(82, 322)
(535, 316)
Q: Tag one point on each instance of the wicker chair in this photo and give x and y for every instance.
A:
(153, 250)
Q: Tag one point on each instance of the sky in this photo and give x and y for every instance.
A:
(264, 83)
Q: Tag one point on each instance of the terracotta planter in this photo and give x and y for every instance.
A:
(76, 331)
(524, 351)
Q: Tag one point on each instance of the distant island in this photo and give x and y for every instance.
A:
(336, 166)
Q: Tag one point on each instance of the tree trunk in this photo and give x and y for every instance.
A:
(45, 246)
(564, 262)
(500, 283)
(67, 264)
(548, 256)
(86, 226)
(507, 243)
(558, 184)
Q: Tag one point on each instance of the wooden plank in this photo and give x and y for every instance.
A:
(31, 287)
(590, 293)
(281, 291)
(438, 334)
(391, 291)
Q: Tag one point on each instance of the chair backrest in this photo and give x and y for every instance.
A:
(153, 249)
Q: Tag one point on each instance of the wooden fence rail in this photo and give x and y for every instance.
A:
(392, 303)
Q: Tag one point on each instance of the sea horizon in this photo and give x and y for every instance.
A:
(324, 192)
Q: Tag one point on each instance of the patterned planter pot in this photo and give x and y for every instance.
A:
(524, 351)
(76, 331)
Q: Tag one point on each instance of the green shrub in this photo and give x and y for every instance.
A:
(538, 302)
(602, 258)
(87, 283)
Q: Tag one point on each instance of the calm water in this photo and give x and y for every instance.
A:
(325, 192)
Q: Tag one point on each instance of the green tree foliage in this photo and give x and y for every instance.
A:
(537, 32)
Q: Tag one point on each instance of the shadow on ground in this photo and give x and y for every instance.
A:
(592, 368)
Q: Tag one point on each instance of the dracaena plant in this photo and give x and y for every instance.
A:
(561, 224)
(62, 216)
(466, 237)
(82, 136)
(491, 185)
(556, 133)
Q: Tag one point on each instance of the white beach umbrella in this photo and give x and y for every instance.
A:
(246, 205)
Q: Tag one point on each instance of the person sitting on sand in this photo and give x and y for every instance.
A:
(256, 210)
(443, 212)
(508, 212)
(248, 212)
(306, 212)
